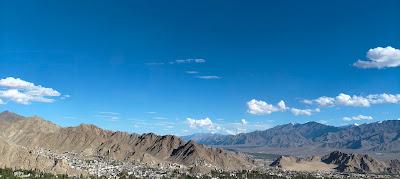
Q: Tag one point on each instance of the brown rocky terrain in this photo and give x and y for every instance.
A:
(338, 161)
(19, 135)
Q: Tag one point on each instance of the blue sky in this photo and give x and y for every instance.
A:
(181, 67)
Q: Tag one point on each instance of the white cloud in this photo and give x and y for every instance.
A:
(209, 77)
(259, 107)
(282, 105)
(307, 101)
(356, 101)
(23, 92)
(243, 122)
(383, 98)
(304, 112)
(193, 123)
(325, 101)
(358, 118)
(380, 57)
(1, 101)
(205, 123)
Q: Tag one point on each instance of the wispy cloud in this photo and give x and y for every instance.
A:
(154, 63)
(243, 122)
(190, 60)
(209, 77)
(191, 72)
(178, 61)
(304, 112)
(65, 96)
(387, 57)
(24, 92)
(108, 116)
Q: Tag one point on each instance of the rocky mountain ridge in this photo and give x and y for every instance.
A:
(20, 135)
(378, 137)
(338, 161)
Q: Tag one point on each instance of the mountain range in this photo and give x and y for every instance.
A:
(382, 137)
(21, 136)
(23, 140)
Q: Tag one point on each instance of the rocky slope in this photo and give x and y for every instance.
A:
(338, 161)
(20, 157)
(378, 137)
(34, 132)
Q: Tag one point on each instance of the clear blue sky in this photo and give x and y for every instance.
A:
(111, 62)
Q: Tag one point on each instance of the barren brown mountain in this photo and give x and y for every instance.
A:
(20, 135)
(337, 161)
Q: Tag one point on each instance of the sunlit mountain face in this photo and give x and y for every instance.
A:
(196, 86)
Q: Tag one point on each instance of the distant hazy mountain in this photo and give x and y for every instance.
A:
(380, 136)
(20, 136)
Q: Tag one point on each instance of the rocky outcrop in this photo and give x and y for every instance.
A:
(339, 161)
(354, 163)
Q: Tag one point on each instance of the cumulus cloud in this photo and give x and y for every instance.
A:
(307, 101)
(356, 101)
(358, 118)
(325, 101)
(383, 98)
(259, 107)
(205, 123)
(193, 123)
(24, 92)
(304, 112)
(243, 122)
(380, 57)
(282, 106)
(209, 77)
